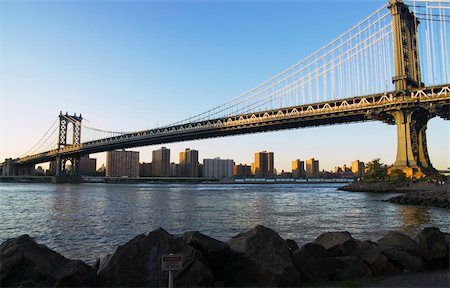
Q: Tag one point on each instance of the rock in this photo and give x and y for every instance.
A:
(260, 257)
(349, 268)
(312, 263)
(24, 262)
(404, 259)
(138, 263)
(402, 250)
(337, 244)
(97, 264)
(432, 244)
(292, 245)
(215, 251)
(398, 240)
(379, 264)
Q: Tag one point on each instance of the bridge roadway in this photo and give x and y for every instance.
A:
(434, 99)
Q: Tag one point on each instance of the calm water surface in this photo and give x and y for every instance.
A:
(88, 221)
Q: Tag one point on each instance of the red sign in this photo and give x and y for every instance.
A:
(171, 262)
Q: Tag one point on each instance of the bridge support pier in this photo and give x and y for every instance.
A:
(61, 166)
(412, 152)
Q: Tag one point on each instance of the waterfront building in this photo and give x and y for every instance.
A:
(263, 167)
(122, 163)
(242, 171)
(88, 166)
(312, 168)
(145, 170)
(174, 170)
(188, 163)
(218, 168)
(161, 162)
(358, 168)
(298, 168)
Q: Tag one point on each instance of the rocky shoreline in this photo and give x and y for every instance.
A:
(259, 257)
(421, 194)
(423, 198)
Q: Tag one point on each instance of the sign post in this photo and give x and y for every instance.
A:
(171, 263)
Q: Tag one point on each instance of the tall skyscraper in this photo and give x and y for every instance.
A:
(218, 168)
(312, 168)
(298, 168)
(263, 166)
(358, 168)
(189, 163)
(161, 162)
(122, 163)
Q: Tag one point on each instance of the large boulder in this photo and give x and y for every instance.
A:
(24, 262)
(292, 245)
(402, 250)
(349, 268)
(260, 257)
(394, 239)
(138, 263)
(432, 244)
(215, 251)
(337, 244)
(312, 263)
(371, 254)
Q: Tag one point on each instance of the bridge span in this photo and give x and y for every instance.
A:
(378, 50)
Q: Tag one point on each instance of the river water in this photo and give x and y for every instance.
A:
(88, 221)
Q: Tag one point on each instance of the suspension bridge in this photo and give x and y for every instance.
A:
(393, 66)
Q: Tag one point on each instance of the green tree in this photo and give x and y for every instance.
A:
(375, 171)
(397, 175)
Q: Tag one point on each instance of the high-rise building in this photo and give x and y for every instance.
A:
(312, 168)
(218, 168)
(88, 166)
(242, 170)
(161, 162)
(189, 163)
(358, 168)
(298, 168)
(145, 170)
(122, 163)
(263, 166)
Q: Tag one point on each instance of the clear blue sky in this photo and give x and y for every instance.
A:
(133, 65)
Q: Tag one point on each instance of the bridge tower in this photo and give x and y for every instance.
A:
(412, 152)
(64, 121)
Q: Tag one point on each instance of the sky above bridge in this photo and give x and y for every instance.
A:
(133, 65)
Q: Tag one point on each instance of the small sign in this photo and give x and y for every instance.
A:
(171, 262)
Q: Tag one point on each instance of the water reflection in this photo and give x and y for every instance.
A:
(88, 221)
(413, 217)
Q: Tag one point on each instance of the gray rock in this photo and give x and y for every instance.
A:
(379, 264)
(292, 245)
(215, 251)
(432, 244)
(260, 257)
(24, 262)
(337, 244)
(399, 240)
(312, 263)
(349, 268)
(138, 263)
(406, 260)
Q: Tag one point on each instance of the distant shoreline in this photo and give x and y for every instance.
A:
(174, 180)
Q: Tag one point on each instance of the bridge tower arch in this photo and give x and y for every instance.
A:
(64, 121)
(412, 153)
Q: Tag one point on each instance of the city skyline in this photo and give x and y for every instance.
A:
(176, 58)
